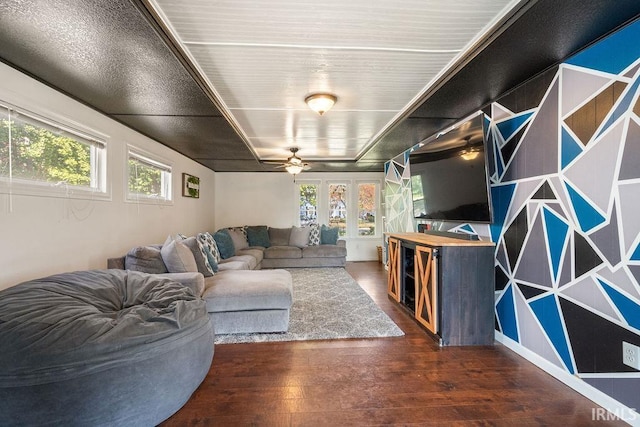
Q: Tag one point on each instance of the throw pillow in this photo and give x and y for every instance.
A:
(328, 235)
(178, 257)
(314, 235)
(258, 236)
(279, 236)
(146, 259)
(239, 238)
(200, 255)
(211, 249)
(224, 243)
(299, 236)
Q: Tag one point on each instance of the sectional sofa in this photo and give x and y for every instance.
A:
(238, 270)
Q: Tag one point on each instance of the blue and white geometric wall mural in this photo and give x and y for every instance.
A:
(397, 195)
(564, 166)
(565, 178)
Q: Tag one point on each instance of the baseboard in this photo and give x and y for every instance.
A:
(621, 411)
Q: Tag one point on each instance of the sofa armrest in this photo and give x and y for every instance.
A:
(193, 281)
(342, 243)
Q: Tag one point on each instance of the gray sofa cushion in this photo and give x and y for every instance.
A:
(239, 238)
(299, 236)
(324, 251)
(232, 265)
(248, 290)
(178, 257)
(282, 252)
(147, 259)
(256, 252)
(279, 236)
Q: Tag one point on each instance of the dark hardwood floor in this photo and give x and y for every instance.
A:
(390, 381)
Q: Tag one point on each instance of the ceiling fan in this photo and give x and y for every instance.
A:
(294, 164)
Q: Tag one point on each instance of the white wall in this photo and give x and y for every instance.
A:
(271, 199)
(46, 235)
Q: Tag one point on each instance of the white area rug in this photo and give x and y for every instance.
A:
(327, 304)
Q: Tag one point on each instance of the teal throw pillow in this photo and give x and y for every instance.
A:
(258, 235)
(328, 235)
(224, 243)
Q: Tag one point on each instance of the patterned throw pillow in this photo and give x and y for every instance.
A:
(314, 235)
(200, 255)
(211, 249)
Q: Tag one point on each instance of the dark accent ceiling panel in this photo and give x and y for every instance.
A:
(103, 53)
(195, 137)
(408, 133)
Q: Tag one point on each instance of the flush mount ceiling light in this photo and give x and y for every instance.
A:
(320, 102)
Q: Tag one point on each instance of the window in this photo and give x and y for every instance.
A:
(42, 156)
(148, 179)
(338, 207)
(308, 203)
(367, 209)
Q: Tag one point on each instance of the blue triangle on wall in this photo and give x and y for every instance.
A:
(588, 216)
(507, 314)
(501, 196)
(636, 254)
(612, 54)
(628, 308)
(509, 127)
(570, 149)
(556, 237)
(468, 228)
(547, 311)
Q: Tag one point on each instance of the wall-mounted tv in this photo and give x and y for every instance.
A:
(449, 174)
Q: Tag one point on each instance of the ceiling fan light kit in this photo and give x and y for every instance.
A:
(294, 164)
(321, 102)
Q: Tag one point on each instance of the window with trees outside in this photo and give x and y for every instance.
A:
(308, 203)
(148, 179)
(338, 207)
(367, 209)
(47, 157)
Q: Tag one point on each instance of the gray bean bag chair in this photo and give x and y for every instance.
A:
(105, 347)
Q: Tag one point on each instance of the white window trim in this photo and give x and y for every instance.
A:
(352, 204)
(93, 138)
(155, 161)
(377, 202)
(349, 211)
(296, 197)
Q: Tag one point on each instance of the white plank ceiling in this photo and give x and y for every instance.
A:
(262, 58)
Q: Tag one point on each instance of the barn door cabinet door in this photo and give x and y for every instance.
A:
(393, 278)
(426, 288)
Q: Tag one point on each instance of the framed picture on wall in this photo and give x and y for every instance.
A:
(190, 186)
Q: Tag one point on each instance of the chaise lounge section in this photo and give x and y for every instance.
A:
(249, 292)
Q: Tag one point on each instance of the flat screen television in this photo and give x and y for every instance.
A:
(449, 179)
